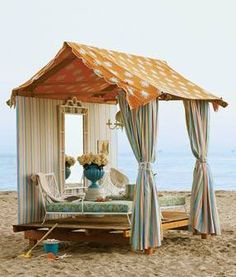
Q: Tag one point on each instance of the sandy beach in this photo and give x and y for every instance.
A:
(180, 255)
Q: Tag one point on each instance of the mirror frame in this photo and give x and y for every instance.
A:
(71, 106)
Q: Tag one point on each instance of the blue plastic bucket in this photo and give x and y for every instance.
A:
(51, 246)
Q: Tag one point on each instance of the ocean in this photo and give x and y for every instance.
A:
(174, 170)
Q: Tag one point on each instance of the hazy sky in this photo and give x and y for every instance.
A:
(197, 38)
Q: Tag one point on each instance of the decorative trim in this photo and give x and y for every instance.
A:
(71, 106)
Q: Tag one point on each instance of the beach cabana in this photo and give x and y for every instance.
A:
(100, 79)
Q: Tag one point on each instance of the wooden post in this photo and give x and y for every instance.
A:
(204, 236)
(149, 251)
(32, 242)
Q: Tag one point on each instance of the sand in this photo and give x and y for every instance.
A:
(180, 255)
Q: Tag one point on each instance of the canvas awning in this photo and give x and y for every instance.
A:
(96, 75)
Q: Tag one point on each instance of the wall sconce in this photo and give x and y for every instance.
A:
(115, 125)
(118, 124)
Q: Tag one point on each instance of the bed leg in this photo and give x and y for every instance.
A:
(129, 221)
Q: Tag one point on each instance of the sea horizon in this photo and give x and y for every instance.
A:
(174, 169)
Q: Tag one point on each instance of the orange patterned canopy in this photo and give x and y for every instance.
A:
(96, 75)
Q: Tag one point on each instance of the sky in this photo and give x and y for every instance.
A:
(196, 38)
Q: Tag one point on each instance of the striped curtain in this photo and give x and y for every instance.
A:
(203, 213)
(141, 129)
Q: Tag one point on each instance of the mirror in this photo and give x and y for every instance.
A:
(73, 140)
(74, 146)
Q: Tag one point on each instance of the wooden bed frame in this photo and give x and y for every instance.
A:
(106, 229)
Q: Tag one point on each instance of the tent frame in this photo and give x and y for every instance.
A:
(28, 89)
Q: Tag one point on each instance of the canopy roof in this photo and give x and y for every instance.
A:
(96, 75)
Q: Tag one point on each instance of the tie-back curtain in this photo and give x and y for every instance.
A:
(141, 129)
(203, 211)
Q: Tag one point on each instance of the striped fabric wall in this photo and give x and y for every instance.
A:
(97, 118)
(37, 151)
(37, 125)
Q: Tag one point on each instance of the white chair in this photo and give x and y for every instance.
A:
(113, 182)
(50, 191)
(118, 179)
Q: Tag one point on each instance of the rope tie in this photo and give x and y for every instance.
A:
(201, 161)
(145, 165)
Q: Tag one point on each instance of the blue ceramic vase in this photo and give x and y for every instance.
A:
(67, 172)
(93, 173)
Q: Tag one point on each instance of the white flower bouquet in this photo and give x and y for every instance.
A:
(87, 159)
(69, 161)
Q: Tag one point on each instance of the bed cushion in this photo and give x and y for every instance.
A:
(165, 201)
(94, 207)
